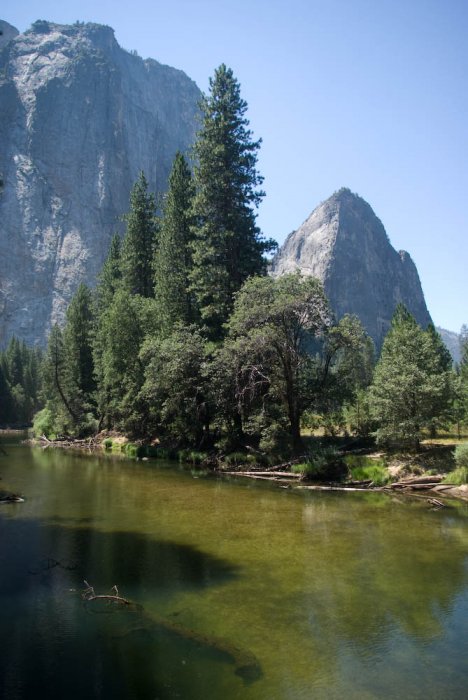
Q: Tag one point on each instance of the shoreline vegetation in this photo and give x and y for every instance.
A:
(425, 474)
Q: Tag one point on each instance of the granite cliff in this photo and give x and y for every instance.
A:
(79, 118)
(452, 342)
(345, 245)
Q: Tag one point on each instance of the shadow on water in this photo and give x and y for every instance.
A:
(48, 641)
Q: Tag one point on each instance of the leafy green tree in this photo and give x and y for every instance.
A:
(140, 241)
(227, 247)
(270, 331)
(173, 260)
(347, 369)
(176, 385)
(409, 384)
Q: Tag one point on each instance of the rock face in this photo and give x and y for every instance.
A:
(345, 245)
(79, 118)
(452, 342)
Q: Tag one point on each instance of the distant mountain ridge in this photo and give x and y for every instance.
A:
(345, 245)
(79, 118)
(452, 342)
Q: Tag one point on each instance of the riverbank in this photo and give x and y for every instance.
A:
(422, 474)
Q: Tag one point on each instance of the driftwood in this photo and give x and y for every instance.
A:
(88, 443)
(436, 503)
(329, 487)
(6, 497)
(265, 474)
(112, 598)
(428, 480)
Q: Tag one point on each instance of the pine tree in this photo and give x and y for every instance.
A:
(109, 281)
(5, 394)
(58, 402)
(443, 408)
(173, 260)
(140, 240)
(464, 372)
(227, 246)
(110, 275)
(120, 369)
(409, 384)
(78, 374)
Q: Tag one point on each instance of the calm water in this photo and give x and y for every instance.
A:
(247, 591)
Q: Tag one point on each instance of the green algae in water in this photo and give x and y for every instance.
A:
(322, 595)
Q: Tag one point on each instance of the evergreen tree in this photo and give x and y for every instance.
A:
(409, 383)
(227, 246)
(140, 240)
(78, 375)
(110, 275)
(443, 408)
(19, 383)
(109, 281)
(463, 382)
(120, 368)
(5, 394)
(173, 260)
(58, 405)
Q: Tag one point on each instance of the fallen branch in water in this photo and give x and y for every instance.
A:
(89, 596)
(6, 497)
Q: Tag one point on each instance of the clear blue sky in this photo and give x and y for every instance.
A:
(367, 94)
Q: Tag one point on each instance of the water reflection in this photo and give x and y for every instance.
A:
(332, 596)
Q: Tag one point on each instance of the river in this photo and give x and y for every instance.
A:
(241, 589)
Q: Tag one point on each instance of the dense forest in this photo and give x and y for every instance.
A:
(186, 340)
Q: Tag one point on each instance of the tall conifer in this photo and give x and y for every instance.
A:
(173, 261)
(228, 247)
(140, 239)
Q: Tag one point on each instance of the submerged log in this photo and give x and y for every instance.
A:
(246, 664)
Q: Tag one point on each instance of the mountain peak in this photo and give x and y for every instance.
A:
(7, 33)
(345, 245)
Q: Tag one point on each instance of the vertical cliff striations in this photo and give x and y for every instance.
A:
(345, 245)
(79, 118)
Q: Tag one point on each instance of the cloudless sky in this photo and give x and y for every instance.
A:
(366, 94)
